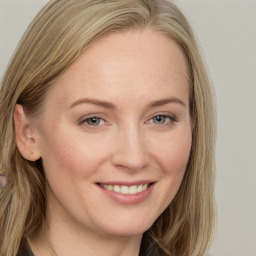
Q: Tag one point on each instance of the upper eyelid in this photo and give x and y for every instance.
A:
(85, 117)
(172, 119)
(167, 114)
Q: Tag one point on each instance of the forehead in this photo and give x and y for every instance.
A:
(148, 47)
(123, 62)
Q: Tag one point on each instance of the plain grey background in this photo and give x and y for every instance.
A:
(226, 30)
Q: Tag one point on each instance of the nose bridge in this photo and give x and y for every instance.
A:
(131, 151)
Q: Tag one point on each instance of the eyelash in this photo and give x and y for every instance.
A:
(171, 118)
(85, 120)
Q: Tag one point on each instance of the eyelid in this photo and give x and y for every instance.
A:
(83, 120)
(172, 116)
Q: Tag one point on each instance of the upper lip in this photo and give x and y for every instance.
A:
(127, 183)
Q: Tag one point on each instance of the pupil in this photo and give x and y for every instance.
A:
(94, 121)
(159, 119)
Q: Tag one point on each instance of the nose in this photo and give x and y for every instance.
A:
(131, 151)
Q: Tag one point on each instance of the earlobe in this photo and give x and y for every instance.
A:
(26, 140)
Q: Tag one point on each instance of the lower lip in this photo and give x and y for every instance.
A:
(127, 198)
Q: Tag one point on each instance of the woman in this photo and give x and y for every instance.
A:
(107, 134)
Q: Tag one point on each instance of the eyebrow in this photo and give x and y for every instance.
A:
(110, 105)
(166, 101)
(97, 102)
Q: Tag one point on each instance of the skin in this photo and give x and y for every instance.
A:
(132, 140)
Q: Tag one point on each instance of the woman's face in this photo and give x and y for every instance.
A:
(115, 134)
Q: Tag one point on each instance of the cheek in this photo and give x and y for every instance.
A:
(175, 152)
(70, 156)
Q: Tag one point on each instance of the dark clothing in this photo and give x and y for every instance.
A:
(25, 250)
(148, 248)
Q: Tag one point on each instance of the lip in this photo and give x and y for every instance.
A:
(128, 199)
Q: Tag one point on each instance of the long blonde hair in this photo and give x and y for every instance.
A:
(61, 31)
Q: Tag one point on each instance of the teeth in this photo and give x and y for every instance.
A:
(117, 189)
(134, 189)
(125, 190)
(144, 187)
(140, 187)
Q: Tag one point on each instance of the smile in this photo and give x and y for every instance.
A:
(126, 190)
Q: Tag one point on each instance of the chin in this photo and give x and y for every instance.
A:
(128, 228)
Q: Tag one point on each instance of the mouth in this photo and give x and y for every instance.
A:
(125, 189)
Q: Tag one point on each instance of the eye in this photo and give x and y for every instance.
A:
(159, 119)
(92, 121)
(162, 119)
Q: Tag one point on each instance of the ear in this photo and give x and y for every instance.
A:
(26, 140)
